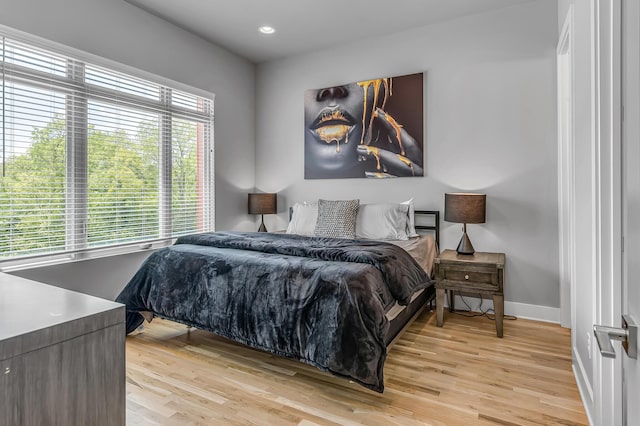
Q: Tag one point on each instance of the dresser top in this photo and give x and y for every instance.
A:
(30, 308)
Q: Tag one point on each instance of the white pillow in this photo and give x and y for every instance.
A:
(385, 221)
(411, 221)
(304, 218)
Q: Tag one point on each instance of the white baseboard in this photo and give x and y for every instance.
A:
(584, 387)
(520, 310)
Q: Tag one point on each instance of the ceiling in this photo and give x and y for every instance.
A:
(304, 25)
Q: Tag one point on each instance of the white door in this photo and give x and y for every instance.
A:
(617, 389)
(630, 379)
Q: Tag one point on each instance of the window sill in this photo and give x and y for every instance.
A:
(32, 262)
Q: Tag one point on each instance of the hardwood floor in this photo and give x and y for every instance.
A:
(461, 374)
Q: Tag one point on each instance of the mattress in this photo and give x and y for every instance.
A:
(424, 250)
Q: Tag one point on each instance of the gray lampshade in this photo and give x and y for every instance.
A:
(464, 207)
(263, 203)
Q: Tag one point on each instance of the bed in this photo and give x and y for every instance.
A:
(337, 304)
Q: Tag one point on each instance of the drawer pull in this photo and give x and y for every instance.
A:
(466, 277)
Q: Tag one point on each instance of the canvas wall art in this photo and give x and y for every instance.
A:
(366, 129)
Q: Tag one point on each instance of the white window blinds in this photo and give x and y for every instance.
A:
(93, 157)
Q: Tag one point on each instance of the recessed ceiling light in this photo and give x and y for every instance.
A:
(265, 29)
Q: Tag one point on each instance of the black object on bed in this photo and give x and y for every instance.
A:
(318, 300)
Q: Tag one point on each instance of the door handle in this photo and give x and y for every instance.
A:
(628, 334)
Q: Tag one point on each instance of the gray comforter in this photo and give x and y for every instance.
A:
(318, 300)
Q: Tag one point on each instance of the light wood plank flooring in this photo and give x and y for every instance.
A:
(461, 374)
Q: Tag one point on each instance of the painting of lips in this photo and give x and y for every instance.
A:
(366, 129)
(333, 126)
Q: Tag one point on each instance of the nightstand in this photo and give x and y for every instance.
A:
(481, 273)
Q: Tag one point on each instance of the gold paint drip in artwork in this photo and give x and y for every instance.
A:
(407, 162)
(379, 175)
(335, 134)
(376, 84)
(376, 153)
(396, 127)
(389, 88)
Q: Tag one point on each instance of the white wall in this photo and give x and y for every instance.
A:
(121, 32)
(489, 123)
(489, 126)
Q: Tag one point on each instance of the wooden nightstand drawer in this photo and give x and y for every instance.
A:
(470, 277)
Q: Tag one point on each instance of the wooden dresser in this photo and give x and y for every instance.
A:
(62, 356)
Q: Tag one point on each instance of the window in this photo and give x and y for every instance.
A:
(94, 157)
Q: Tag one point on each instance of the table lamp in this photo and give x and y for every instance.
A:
(263, 203)
(464, 207)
